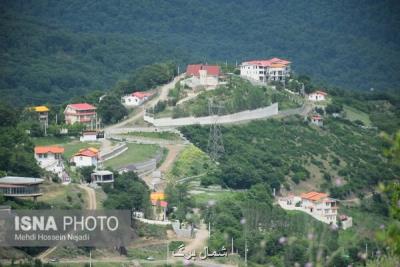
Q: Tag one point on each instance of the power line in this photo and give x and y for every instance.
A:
(215, 143)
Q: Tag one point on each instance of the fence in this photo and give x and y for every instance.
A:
(231, 118)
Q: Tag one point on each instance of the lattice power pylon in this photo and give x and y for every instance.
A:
(215, 144)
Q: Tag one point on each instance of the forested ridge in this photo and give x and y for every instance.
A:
(57, 49)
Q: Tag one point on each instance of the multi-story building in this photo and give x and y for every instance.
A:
(81, 113)
(318, 205)
(265, 71)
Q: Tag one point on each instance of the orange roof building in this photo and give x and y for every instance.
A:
(86, 157)
(157, 196)
(313, 196)
(266, 70)
(49, 149)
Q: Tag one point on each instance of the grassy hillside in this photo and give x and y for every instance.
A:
(56, 49)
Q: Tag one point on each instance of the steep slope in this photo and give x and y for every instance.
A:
(352, 44)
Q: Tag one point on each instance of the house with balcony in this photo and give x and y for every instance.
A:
(135, 99)
(81, 113)
(13, 186)
(265, 71)
(50, 159)
(318, 205)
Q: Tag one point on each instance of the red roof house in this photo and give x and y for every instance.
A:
(81, 113)
(194, 70)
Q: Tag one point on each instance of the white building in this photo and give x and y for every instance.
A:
(86, 157)
(50, 158)
(199, 75)
(135, 99)
(318, 205)
(317, 96)
(317, 120)
(88, 136)
(265, 71)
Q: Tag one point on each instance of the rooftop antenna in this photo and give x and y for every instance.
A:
(215, 144)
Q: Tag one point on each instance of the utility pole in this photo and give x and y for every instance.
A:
(90, 257)
(245, 252)
(232, 246)
(209, 229)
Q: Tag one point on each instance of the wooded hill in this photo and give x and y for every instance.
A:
(52, 50)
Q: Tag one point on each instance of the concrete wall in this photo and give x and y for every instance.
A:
(231, 118)
(143, 168)
(115, 152)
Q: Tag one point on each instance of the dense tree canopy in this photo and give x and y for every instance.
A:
(16, 149)
(51, 50)
(111, 110)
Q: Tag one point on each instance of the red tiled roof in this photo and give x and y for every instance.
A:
(141, 95)
(277, 62)
(88, 152)
(212, 70)
(314, 196)
(317, 117)
(82, 106)
(161, 203)
(49, 149)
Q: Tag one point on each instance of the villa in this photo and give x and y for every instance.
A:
(317, 96)
(50, 159)
(81, 113)
(199, 75)
(264, 71)
(86, 157)
(135, 99)
(318, 205)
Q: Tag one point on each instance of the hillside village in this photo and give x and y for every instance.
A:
(160, 147)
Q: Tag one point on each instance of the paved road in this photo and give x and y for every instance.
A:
(162, 96)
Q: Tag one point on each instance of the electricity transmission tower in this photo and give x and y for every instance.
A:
(215, 145)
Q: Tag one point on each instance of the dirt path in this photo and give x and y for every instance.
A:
(91, 196)
(200, 241)
(92, 205)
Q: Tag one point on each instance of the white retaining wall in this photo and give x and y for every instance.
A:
(230, 118)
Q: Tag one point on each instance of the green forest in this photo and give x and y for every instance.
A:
(53, 50)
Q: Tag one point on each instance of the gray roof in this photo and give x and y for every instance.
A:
(20, 180)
